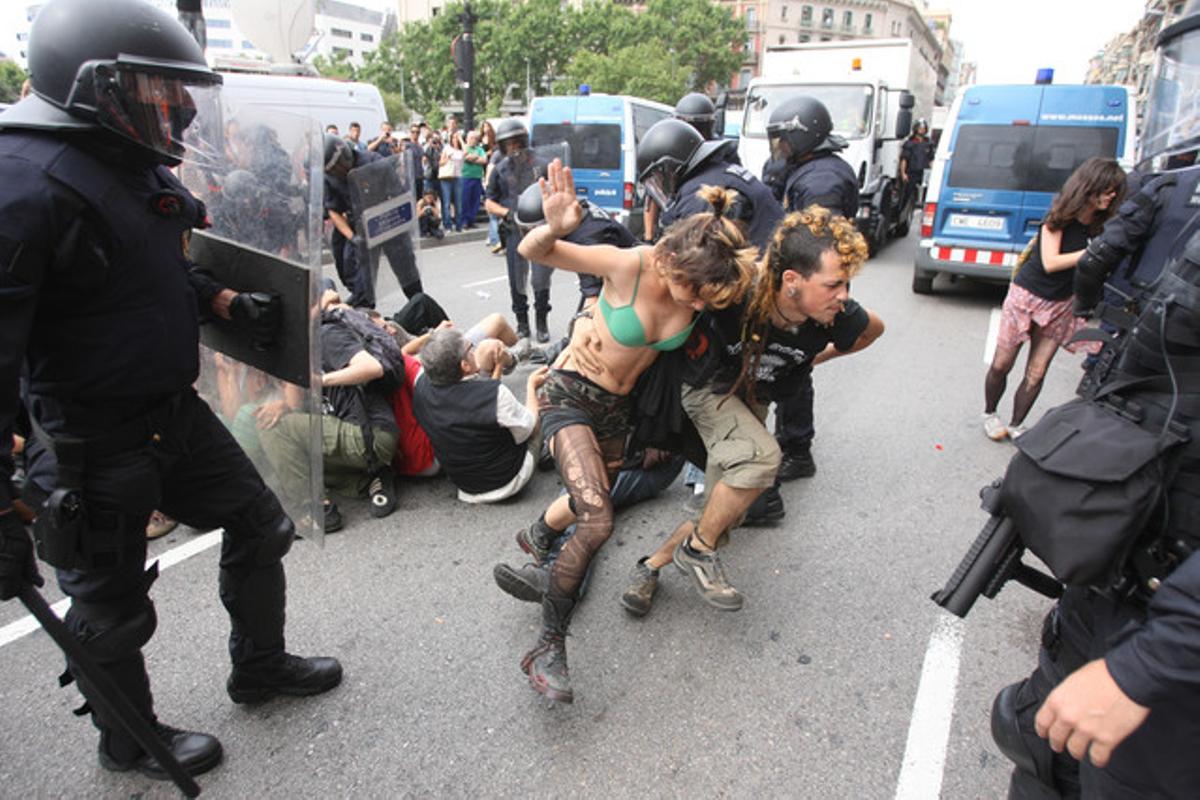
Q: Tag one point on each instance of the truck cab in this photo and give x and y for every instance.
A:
(602, 132)
(1004, 153)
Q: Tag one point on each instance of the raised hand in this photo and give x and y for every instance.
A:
(560, 206)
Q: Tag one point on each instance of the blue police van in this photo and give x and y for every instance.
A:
(1004, 153)
(602, 132)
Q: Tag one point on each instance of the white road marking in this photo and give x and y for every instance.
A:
(481, 283)
(933, 709)
(989, 346)
(27, 624)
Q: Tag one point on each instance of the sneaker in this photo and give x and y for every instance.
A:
(994, 428)
(288, 674)
(709, 576)
(546, 666)
(767, 507)
(528, 583)
(382, 491)
(537, 540)
(520, 350)
(797, 464)
(196, 752)
(1016, 431)
(333, 518)
(497, 248)
(643, 583)
(159, 525)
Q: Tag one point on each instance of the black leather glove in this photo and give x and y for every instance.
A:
(18, 568)
(510, 219)
(258, 314)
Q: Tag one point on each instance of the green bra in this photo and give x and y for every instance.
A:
(627, 329)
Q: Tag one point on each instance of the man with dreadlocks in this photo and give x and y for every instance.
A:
(797, 315)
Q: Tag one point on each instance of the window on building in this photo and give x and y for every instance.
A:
(806, 15)
(341, 33)
(783, 14)
(751, 18)
(217, 23)
(781, 38)
(827, 18)
(342, 51)
(896, 28)
(743, 78)
(367, 37)
(868, 22)
(220, 44)
(433, 12)
(826, 38)
(22, 37)
(847, 19)
(247, 45)
(804, 37)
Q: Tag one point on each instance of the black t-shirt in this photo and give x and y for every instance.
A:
(338, 346)
(917, 153)
(337, 190)
(1052, 285)
(715, 350)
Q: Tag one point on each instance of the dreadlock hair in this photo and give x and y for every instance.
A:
(800, 241)
(708, 252)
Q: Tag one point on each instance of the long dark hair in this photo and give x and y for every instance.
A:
(1093, 178)
(708, 252)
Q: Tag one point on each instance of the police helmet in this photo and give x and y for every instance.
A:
(920, 126)
(122, 66)
(802, 122)
(663, 156)
(529, 207)
(339, 157)
(698, 111)
(511, 129)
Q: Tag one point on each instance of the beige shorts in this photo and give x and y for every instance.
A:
(741, 451)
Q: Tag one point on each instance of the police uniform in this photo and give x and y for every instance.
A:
(826, 180)
(511, 176)
(350, 259)
(598, 227)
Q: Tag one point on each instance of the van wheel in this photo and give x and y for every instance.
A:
(922, 281)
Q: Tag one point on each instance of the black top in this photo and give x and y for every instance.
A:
(715, 350)
(337, 190)
(918, 154)
(372, 403)
(598, 227)
(827, 181)
(1052, 285)
(755, 207)
(513, 175)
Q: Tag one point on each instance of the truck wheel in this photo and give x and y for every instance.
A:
(922, 281)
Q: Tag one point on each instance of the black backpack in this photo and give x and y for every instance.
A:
(376, 341)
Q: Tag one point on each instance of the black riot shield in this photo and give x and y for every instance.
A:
(257, 171)
(382, 194)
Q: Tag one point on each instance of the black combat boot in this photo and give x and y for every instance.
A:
(542, 308)
(284, 674)
(537, 540)
(528, 582)
(195, 752)
(522, 324)
(546, 663)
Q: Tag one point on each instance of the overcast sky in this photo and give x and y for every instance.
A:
(1009, 39)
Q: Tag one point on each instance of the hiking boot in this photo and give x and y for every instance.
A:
(767, 507)
(546, 666)
(797, 463)
(537, 540)
(528, 582)
(287, 674)
(643, 583)
(706, 570)
(195, 752)
(333, 518)
(382, 491)
(994, 428)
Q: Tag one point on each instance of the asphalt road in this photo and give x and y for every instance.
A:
(814, 690)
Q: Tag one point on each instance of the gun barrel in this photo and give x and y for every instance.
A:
(979, 566)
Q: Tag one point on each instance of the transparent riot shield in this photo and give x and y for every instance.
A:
(258, 173)
(384, 202)
(531, 163)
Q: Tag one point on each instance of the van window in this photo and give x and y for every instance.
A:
(643, 118)
(1025, 158)
(849, 106)
(593, 146)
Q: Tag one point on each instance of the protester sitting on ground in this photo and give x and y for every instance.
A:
(1038, 306)
(479, 430)
(648, 305)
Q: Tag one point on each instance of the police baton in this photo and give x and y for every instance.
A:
(107, 698)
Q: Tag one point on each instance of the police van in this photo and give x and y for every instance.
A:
(325, 101)
(1004, 153)
(602, 131)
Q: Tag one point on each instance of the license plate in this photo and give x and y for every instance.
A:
(978, 223)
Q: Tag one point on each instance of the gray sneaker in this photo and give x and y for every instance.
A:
(639, 595)
(706, 570)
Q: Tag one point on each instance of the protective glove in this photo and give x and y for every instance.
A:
(510, 219)
(18, 568)
(359, 241)
(257, 314)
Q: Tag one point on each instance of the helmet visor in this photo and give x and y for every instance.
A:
(661, 188)
(1173, 107)
(153, 108)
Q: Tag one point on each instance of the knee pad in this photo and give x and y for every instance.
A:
(265, 532)
(1013, 733)
(113, 638)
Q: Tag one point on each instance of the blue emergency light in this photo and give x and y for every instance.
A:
(584, 89)
(1044, 75)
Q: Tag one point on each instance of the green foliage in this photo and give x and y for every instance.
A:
(674, 47)
(11, 79)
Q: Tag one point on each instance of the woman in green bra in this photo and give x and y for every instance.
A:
(648, 304)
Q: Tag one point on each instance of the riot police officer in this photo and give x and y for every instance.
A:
(1113, 709)
(806, 165)
(349, 256)
(97, 297)
(514, 173)
(698, 111)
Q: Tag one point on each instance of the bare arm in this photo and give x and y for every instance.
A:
(342, 224)
(363, 368)
(1053, 259)
(865, 339)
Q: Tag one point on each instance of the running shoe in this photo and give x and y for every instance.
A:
(709, 576)
(994, 428)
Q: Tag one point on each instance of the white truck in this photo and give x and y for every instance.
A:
(874, 89)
